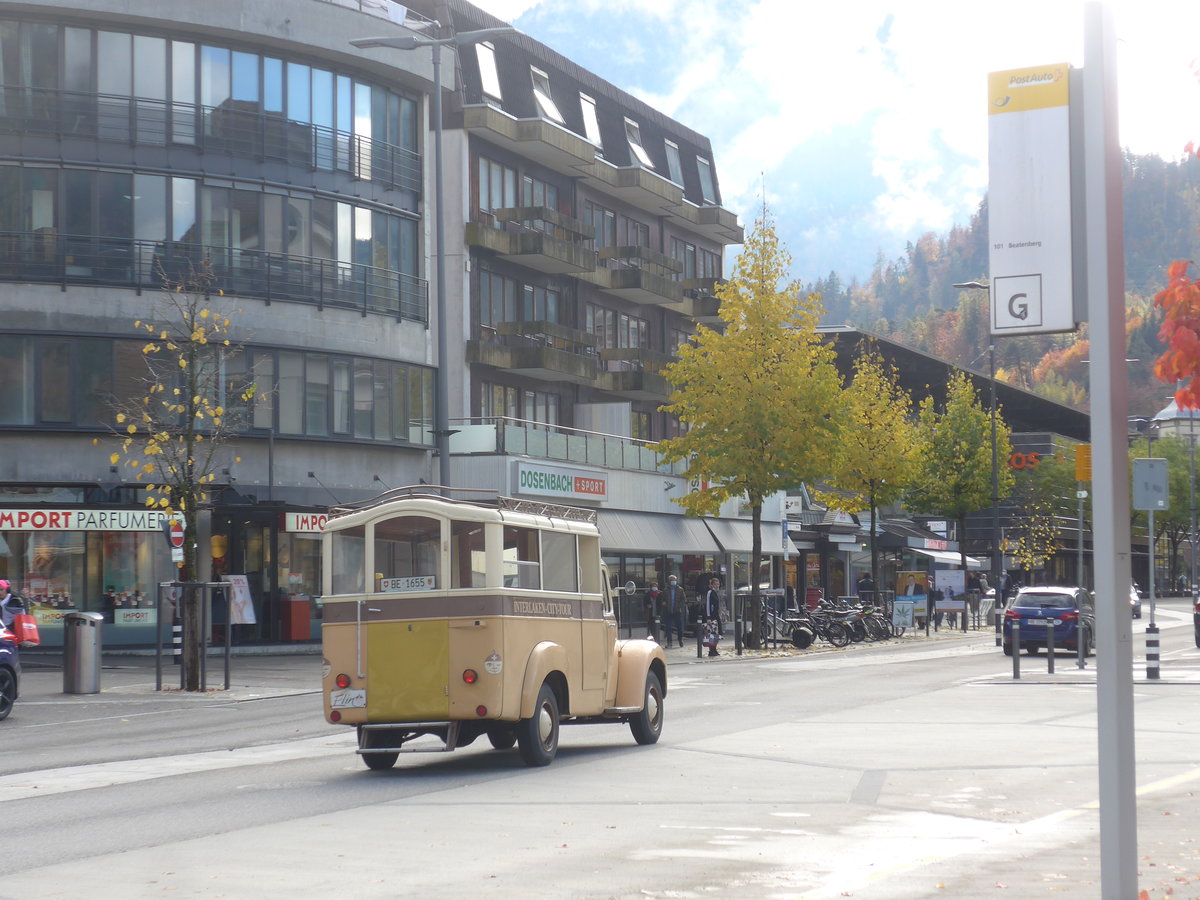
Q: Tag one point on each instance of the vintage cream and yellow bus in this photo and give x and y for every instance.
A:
(461, 618)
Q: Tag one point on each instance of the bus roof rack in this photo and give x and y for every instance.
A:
(478, 496)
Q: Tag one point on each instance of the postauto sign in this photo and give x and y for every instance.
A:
(561, 482)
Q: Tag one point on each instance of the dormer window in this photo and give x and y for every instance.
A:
(488, 77)
(674, 168)
(707, 189)
(591, 124)
(633, 133)
(541, 93)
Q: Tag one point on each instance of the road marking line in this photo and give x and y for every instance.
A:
(44, 782)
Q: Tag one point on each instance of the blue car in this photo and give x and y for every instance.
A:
(1069, 611)
(10, 672)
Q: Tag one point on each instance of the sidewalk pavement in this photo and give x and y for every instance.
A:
(261, 671)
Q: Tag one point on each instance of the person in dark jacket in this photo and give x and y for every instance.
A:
(650, 607)
(672, 605)
(711, 611)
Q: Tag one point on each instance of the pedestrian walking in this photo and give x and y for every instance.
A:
(672, 604)
(9, 604)
(711, 613)
(650, 607)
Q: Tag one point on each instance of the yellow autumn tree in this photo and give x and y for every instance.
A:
(954, 453)
(187, 409)
(875, 459)
(758, 396)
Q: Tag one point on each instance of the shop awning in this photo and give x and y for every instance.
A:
(949, 556)
(653, 533)
(737, 536)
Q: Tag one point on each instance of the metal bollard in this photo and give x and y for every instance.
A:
(699, 640)
(1016, 648)
(1080, 657)
(1050, 647)
(999, 619)
(1152, 673)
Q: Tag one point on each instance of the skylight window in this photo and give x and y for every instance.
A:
(591, 124)
(707, 189)
(674, 168)
(541, 93)
(633, 133)
(488, 77)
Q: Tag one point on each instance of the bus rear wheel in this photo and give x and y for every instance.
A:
(537, 736)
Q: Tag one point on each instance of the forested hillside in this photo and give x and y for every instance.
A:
(913, 299)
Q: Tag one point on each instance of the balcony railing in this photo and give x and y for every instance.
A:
(235, 128)
(75, 259)
(519, 437)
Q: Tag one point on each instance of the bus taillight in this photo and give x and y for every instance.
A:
(342, 681)
(470, 676)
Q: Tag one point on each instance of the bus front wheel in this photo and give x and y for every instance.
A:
(537, 736)
(647, 725)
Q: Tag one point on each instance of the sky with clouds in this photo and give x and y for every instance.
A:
(864, 121)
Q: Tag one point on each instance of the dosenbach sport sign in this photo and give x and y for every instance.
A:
(1029, 200)
(561, 482)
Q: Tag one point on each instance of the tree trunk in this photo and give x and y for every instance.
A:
(193, 637)
(756, 641)
(192, 599)
(874, 550)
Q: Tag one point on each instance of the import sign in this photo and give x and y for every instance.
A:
(1029, 200)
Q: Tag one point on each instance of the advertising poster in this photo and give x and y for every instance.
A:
(953, 583)
(241, 606)
(914, 588)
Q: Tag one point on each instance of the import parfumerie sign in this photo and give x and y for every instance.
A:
(82, 519)
(1029, 200)
(561, 482)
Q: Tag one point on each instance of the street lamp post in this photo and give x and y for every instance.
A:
(441, 405)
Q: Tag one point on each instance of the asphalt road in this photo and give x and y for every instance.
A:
(903, 770)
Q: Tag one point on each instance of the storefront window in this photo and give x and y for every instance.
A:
(114, 572)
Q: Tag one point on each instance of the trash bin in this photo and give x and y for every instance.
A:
(81, 652)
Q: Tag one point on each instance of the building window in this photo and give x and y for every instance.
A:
(541, 93)
(674, 168)
(497, 186)
(498, 401)
(489, 79)
(707, 189)
(535, 192)
(602, 323)
(591, 123)
(604, 221)
(685, 254)
(634, 233)
(632, 332)
(633, 133)
(540, 407)
(497, 299)
(540, 304)
(710, 264)
(639, 425)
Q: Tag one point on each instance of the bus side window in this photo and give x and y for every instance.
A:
(521, 564)
(349, 559)
(467, 559)
(562, 562)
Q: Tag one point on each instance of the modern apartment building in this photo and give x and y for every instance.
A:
(585, 233)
